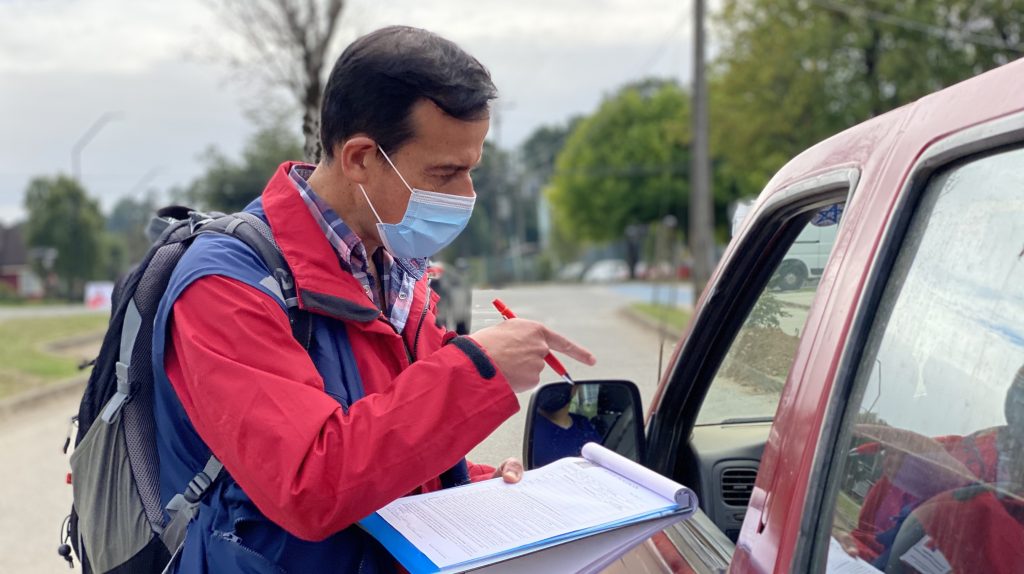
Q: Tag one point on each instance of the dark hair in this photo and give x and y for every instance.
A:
(379, 77)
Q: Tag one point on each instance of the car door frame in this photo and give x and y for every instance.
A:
(739, 280)
(745, 272)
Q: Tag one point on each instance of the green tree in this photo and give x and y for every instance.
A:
(793, 72)
(230, 185)
(485, 235)
(626, 164)
(540, 150)
(126, 230)
(538, 155)
(63, 217)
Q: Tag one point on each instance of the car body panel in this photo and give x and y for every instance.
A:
(884, 152)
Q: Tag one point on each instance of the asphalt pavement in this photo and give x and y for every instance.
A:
(590, 315)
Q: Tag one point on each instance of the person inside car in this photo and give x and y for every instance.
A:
(931, 488)
(559, 433)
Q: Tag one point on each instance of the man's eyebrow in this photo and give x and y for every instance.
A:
(452, 166)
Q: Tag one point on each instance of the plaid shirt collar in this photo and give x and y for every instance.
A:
(402, 274)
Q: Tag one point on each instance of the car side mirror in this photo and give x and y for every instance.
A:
(563, 417)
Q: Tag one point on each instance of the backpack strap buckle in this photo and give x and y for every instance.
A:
(184, 506)
(129, 332)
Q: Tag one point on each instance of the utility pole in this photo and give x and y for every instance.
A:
(702, 217)
(507, 246)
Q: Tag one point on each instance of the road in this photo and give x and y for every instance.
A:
(15, 312)
(35, 497)
(589, 315)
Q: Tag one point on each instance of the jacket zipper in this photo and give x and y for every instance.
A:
(409, 353)
(405, 346)
(423, 315)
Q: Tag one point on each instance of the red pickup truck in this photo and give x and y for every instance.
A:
(873, 420)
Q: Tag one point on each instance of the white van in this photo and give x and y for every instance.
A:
(807, 256)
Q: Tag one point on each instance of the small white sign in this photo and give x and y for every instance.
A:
(98, 295)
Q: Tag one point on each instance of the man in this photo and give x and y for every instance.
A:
(383, 401)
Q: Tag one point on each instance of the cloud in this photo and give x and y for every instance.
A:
(65, 62)
(95, 36)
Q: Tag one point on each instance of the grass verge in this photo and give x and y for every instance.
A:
(674, 317)
(24, 361)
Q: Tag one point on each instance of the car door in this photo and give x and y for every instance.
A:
(814, 460)
(921, 468)
(745, 334)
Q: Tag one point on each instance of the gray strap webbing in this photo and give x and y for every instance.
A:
(129, 332)
(260, 226)
(274, 287)
(183, 507)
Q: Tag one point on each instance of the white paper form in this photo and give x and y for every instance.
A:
(925, 559)
(457, 525)
(839, 562)
(639, 474)
(587, 555)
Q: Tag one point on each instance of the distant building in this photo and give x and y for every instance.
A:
(15, 264)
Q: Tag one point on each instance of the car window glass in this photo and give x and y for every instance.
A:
(749, 382)
(931, 472)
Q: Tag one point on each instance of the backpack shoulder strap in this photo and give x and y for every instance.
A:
(129, 333)
(256, 234)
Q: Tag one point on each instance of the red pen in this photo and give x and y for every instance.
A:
(550, 359)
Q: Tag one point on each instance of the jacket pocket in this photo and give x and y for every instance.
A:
(226, 552)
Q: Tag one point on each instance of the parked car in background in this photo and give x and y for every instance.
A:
(606, 271)
(663, 271)
(874, 423)
(455, 306)
(571, 271)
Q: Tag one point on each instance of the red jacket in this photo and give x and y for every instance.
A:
(256, 399)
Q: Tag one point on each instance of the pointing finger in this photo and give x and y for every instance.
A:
(559, 343)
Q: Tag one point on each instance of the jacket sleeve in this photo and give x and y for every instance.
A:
(478, 472)
(256, 399)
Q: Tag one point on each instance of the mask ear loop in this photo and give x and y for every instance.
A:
(392, 164)
(370, 203)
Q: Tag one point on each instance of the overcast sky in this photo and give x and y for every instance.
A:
(64, 63)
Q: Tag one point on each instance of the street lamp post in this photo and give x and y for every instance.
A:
(76, 150)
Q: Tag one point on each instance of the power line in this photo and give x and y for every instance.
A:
(918, 26)
(665, 41)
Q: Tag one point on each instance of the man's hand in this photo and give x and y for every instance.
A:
(518, 347)
(511, 471)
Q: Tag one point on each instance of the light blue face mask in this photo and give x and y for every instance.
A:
(432, 221)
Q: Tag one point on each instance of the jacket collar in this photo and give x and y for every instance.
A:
(322, 286)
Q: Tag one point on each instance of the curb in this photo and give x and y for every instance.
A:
(37, 397)
(671, 333)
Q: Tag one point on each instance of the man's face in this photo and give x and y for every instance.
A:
(438, 157)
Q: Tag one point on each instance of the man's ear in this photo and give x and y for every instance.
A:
(357, 155)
